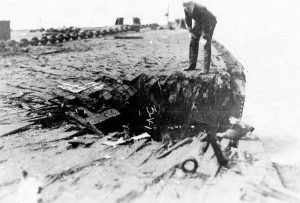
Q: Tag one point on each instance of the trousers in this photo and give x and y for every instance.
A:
(207, 32)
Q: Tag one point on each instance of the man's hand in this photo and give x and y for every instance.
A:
(192, 35)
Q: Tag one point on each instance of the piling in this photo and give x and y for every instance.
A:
(5, 30)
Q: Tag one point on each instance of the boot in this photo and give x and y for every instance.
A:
(190, 67)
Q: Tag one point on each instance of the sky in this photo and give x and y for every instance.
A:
(262, 34)
(26, 14)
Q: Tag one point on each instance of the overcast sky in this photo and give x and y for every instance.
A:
(55, 13)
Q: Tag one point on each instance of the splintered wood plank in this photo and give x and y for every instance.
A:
(6, 130)
(251, 179)
(85, 123)
(169, 183)
(188, 187)
(255, 157)
(97, 118)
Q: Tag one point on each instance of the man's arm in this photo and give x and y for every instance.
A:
(188, 21)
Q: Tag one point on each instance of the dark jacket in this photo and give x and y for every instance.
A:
(200, 14)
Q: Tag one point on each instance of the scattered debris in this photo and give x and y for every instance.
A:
(185, 166)
(179, 144)
(140, 146)
(52, 178)
(86, 124)
(75, 142)
(277, 193)
(238, 131)
(121, 140)
(24, 127)
(78, 89)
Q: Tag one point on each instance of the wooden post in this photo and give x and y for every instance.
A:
(4, 30)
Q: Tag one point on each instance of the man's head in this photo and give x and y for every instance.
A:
(188, 5)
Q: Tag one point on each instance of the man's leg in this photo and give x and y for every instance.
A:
(194, 47)
(193, 55)
(207, 55)
(207, 47)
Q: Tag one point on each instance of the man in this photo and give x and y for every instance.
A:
(205, 23)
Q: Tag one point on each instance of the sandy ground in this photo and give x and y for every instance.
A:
(96, 173)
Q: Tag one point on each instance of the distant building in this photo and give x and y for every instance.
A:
(5, 30)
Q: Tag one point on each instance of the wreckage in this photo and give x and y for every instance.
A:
(149, 135)
(155, 104)
(175, 107)
(152, 103)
